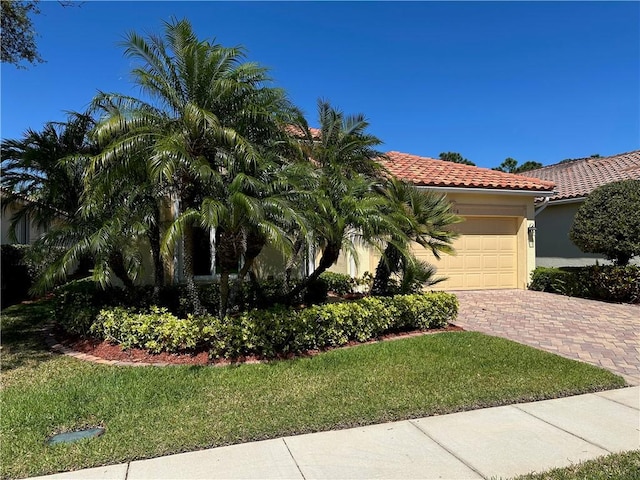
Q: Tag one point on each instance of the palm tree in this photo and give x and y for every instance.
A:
(116, 214)
(424, 218)
(213, 133)
(346, 208)
(46, 168)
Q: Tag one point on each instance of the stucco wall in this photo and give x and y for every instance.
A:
(5, 222)
(553, 246)
(520, 207)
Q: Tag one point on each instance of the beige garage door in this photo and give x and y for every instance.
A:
(486, 255)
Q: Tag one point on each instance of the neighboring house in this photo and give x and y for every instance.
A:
(26, 232)
(496, 247)
(574, 180)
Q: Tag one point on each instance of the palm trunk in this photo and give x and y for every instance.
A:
(228, 254)
(297, 248)
(224, 294)
(116, 263)
(388, 265)
(329, 256)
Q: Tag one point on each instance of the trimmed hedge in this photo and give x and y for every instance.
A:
(610, 283)
(339, 283)
(276, 331)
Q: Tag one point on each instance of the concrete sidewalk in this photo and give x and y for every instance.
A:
(499, 442)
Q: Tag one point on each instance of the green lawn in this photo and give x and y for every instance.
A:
(617, 466)
(150, 411)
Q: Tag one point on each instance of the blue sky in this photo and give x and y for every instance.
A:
(539, 81)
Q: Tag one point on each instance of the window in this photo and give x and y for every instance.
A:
(22, 230)
(204, 253)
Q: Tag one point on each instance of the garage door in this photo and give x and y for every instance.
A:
(486, 255)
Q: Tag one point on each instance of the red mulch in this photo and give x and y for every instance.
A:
(108, 351)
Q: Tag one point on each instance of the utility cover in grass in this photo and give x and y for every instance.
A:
(69, 437)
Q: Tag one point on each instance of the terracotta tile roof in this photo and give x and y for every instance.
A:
(424, 171)
(578, 178)
(298, 132)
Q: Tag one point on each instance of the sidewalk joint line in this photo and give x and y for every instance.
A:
(615, 401)
(464, 462)
(126, 474)
(293, 458)
(563, 430)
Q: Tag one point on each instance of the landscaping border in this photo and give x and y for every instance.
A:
(62, 349)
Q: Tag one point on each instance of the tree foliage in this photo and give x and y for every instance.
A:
(18, 34)
(455, 157)
(608, 222)
(46, 167)
(214, 138)
(424, 218)
(344, 209)
(215, 147)
(510, 165)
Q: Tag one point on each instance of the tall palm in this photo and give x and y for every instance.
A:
(46, 167)
(117, 213)
(347, 210)
(423, 217)
(210, 131)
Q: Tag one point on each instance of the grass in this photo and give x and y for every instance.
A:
(617, 466)
(151, 411)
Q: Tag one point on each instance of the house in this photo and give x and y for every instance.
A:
(574, 181)
(496, 246)
(27, 232)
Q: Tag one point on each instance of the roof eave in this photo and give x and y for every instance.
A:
(560, 201)
(487, 190)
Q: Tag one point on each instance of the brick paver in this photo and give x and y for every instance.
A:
(603, 334)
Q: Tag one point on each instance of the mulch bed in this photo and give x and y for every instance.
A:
(108, 351)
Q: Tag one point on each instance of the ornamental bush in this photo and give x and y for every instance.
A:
(608, 222)
(611, 283)
(156, 330)
(339, 283)
(275, 331)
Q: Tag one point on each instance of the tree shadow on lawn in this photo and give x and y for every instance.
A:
(22, 327)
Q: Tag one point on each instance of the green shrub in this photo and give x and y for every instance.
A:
(156, 330)
(75, 307)
(610, 283)
(423, 311)
(275, 331)
(608, 222)
(21, 266)
(556, 280)
(613, 283)
(339, 283)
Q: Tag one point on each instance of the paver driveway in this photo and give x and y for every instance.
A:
(603, 334)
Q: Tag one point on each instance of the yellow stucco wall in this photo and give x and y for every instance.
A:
(518, 208)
